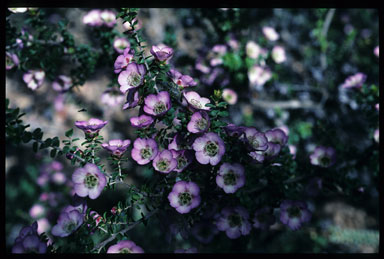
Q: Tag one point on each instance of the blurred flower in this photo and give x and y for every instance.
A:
(89, 181)
(234, 221)
(125, 247)
(112, 97)
(292, 150)
(314, 186)
(195, 101)
(204, 231)
(201, 67)
(120, 44)
(144, 150)
(127, 26)
(11, 60)
(161, 52)
(263, 218)
(37, 211)
(108, 18)
(123, 60)
(278, 54)
(93, 18)
(258, 75)
(356, 80)
(96, 217)
(255, 140)
(18, 10)
(218, 52)
(191, 250)
(252, 49)
(209, 148)
(67, 223)
(164, 162)
(28, 241)
(180, 79)
(230, 177)
(199, 122)
(376, 135)
(183, 159)
(116, 147)
(141, 121)
(229, 96)
(376, 51)
(132, 99)
(91, 127)
(234, 131)
(62, 83)
(294, 213)
(276, 136)
(270, 33)
(323, 156)
(233, 43)
(132, 77)
(43, 226)
(377, 107)
(59, 178)
(34, 78)
(185, 196)
(157, 105)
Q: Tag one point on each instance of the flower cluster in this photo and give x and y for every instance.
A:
(28, 241)
(96, 18)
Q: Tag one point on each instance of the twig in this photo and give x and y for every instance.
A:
(324, 31)
(291, 104)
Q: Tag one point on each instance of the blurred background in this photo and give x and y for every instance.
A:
(287, 76)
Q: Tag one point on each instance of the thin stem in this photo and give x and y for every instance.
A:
(119, 167)
(93, 151)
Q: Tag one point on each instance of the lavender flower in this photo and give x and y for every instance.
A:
(132, 99)
(37, 211)
(28, 241)
(175, 143)
(294, 213)
(185, 196)
(354, 81)
(255, 140)
(234, 221)
(164, 162)
(161, 52)
(278, 54)
(234, 131)
(276, 136)
(34, 78)
(270, 33)
(218, 52)
(91, 127)
(181, 80)
(263, 218)
(125, 247)
(93, 18)
(209, 149)
(11, 60)
(112, 97)
(68, 223)
(157, 105)
(62, 83)
(323, 156)
(258, 75)
(120, 44)
(229, 96)
(142, 121)
(199, 122)
(144, 150)
(117, 146)
(230, 177)
(132, 77)
(123, 60)
(108, 18)
(195, 101)
(89, 181)
(183, 159)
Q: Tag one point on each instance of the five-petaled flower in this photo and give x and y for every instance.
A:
(89, 181)
(125, 247)
(230, 177)
(195, 102)
(91, 127)
(294, 213)
(117, 146)
(234, 221)
(323, 156)
(157, 105)
(185, 196)
(141, 121)
(161, 52)
(144, 150)
(209, 148)
(132, 77)
(199, 122)
(164, 162)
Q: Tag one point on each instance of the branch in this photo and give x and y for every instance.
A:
(324, 31)
(292, 104)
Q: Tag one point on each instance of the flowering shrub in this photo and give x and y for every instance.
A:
(206, 172)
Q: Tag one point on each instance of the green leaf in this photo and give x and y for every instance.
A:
(35, 146)
(69, 133)
(53, 153)
(27, 137)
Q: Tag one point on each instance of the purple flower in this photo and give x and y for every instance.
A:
(294, 213)
(120, 44)
(230, 177)
(164, 162)
(117, 146)
(175, 143)
(91, 127)
(28, 241)
(255, 140)
(204, 231)
(209, 148)
(11, 60)
(108, 18)
(278, 54)
(157, 105)
(181, 80)
(93, 18)
(132, 77)
(132, 99)
(112, 97)
(62, 83)
(123, 60)
(270, 33)
(89, 181)
(354, 81)
(161, 52)
(68, 223)
(263, 218)
(271, 152)
(125, 247)
(183, 159)
(185, 196)
(199, 122)
(234, 131)
(229, 96)
(141, 121)
(37, 211)
(195, 101)
(218, 52)
(276, 136)
(323, 156)
(259, 75)
(191, 250)
(34, 78)
(234, 221)
(144, 150)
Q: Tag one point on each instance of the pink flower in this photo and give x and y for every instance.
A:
(229, 96)
(195, 101)
(89, 181)
(209, 148)
(157, 105)
(259, 75)
(132, 77)
(270, 33)
(185, 196)
(125, 247)
(141, 121)
(34, 78)
(117, 147)
(62, 83)
(164, 162)
(93, 18)
(120, 44)
(278, 54)
(144, 150)
(162, 52)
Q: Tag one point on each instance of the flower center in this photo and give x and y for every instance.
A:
(234, 220)
(134, 79)
(201, 124)
(125, 251)
(211, 148)
(8, 61)
(181, 162)
(325, 161)
(195, 103)
(185, 198)
(294, 212)
(160, 107)
(70, 227)
(146, 152)
(230, 178)
(90, 181)
(254, 142)
(162, 165)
